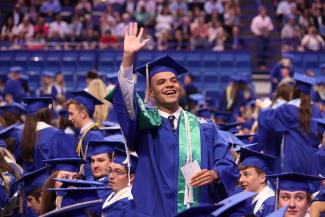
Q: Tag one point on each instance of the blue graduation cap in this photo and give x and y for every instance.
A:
(8, 131)
(116, 138)
(198, 211)
(33, 180)
(238, 148)
(233, 202)
(304, 82)
(321, 124)
(221, 115)
(107, 131)
(13, 108)
(87, 100)
(197, 98)
(96, 147)
(321, 194)
(15, 69)
(75, 210)
(163, 64)
(120, 157)
(230, 138)
(230, 126)
(259, 160)
(279, 213)
(64, 164)
(48, 74)
(291, 181)
(78, 183)
(34, 104)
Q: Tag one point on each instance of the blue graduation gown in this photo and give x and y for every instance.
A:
(158, 169)
(93, 134)
(319, 162)
(116, 209)
(103, 194)
(16, 89)
(298, 147)
(50, 143)
(266, 208)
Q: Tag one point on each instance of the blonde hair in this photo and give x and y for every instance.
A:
(98, 89)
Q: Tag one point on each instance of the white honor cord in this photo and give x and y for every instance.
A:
(188, 195)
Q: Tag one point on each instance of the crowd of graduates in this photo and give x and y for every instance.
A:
(84, 153)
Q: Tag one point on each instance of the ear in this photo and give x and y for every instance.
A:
(150, 91)
(262, 178)
(131, 178)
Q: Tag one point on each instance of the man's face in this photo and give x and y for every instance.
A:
(34, 204)
(118, 177)
(250, 180)
(99, 165)
(297, 202)
(65, 175)
(164, 88)
(76, 116)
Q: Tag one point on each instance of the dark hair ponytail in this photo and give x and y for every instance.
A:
(304, 110)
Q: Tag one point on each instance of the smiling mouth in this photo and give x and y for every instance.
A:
(170, 92)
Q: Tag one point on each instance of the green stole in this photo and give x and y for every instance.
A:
(150, 118)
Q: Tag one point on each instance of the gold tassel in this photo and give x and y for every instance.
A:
(58, 202)
(146, 98)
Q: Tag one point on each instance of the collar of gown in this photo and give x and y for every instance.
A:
(176, 114)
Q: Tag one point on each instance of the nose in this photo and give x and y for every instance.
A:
(292, 203)
(29, 204)
(241, 179)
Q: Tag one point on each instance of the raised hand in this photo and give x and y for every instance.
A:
(132, 41)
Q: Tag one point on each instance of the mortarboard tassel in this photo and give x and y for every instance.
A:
(146, 98)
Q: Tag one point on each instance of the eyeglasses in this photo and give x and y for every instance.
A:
(116, 172)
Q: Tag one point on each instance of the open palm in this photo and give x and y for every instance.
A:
(132, 41)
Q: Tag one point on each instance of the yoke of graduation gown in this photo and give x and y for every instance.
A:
(155, 189)
(119, 202)
(50, 143)
(298, 146)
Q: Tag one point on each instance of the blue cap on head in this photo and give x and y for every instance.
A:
(256, 159)
(121, 158)
(230, 138)
(34, 104)
(250, 145)
(8, 131)
(13, 108)
(78, 183)
(291, 181)
(197, 98)
(279, 213)
(96, 147)
(304, 82)
(75, 210)
(15, 69)
(87, 100)
(115, 138)
(64, 164)
(107, 131)
(163, 64)
(231, 203)
(321, 124)
(33, 180)
(48, 74)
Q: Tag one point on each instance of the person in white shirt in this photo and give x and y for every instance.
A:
(312, 41)
(261, 27)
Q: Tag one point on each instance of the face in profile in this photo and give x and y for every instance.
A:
(251, 180)
(297, 202)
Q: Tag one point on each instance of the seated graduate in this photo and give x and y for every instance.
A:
(81, 110)
(294, 190)
(78, 191)
(253, 168)
(67, 168)
(31, 185)
(100, 154)
(121, 177)
(40, 140)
